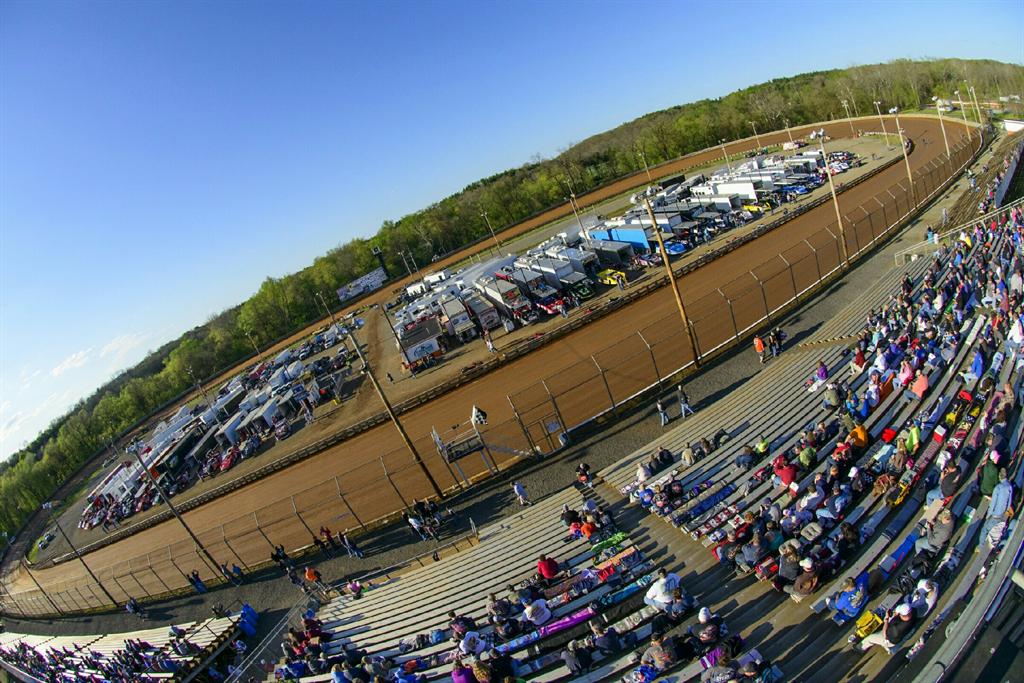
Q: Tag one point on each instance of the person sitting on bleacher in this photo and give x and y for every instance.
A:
(576, 658)
(846, 543)
(472, 643)
(661, 653)
(548, 568)
(462, 673)
(606, 640)
(807, 582)
(724, 671)
(537, 612)
(898, 624)
(569, 516)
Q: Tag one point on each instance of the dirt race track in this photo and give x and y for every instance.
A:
(357, 463)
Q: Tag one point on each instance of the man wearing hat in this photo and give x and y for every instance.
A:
(897, 626)
(807, 582)
(924, 598)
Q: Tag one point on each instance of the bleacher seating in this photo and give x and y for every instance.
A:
(405, 620)
(109, 657)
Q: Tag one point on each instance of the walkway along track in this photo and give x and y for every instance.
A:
(581, 344)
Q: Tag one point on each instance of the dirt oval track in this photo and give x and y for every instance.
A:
(490, 391)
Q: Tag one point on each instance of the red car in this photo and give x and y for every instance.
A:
(228, 459)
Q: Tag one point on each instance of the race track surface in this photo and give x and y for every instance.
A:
(365, 485)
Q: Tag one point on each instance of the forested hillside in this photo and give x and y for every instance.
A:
(284, 305)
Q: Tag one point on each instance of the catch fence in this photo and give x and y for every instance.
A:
(544, 414)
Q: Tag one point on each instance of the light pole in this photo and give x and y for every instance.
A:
(214, 567)
(977, 107)
(895, 111)
(320, 295)
(259, 354)
(835, 203)
(942, 124)
(405, 263)
(493, 236)
(643, 157)
(878, 108)
(756, 137)
(846, 106)
(726, 154)
(394, 418)
(785, 122)
(675, 283)
(963, 113)
(48, 506)
(572, 202)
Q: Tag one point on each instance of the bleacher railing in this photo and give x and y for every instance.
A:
(545, 413)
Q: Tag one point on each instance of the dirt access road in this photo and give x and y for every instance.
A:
(490, 390)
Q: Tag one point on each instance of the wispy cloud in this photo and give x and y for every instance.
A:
(28, 378)
(9, 426)
(75, 360)
(121, 346)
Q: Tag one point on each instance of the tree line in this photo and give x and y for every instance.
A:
(284, 305)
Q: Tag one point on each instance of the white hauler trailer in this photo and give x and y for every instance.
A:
(456, 320)
(486, 315)
(508, 299)
(553, 270)
(581, 260)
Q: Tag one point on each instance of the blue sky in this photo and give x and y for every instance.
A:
(159, 159)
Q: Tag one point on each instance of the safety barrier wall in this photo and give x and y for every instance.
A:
(545, 412)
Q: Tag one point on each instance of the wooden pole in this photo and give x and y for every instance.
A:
(675, 283)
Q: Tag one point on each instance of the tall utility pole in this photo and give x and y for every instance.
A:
(974, 98)
(572, 202)
(675, 284)
(405, 263)
(785, 122)
(963, 113)
(48, 506)
(726, 155)
(489, 227)
(942, 124)
(320, 295)
(835, 203)
(756, 136)
(394, 419)
(846, 106)
(214, 566)
(895, 111)
(878, 108)
(259, 354)
(643, 158)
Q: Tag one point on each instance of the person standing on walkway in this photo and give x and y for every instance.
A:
(197, 582)
(684, 402)
(759, 347)
(520, 492)
(350, 546)
(662, 412)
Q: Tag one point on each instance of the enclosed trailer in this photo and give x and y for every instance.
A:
(581, 260)
(486, 315)
(553, 270)
(532, 284)
(609, 253)
(456, 319)
(508, 298)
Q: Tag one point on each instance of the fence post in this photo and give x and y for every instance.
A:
(149, 563)
(345, 501)
(227, 544)
(554, 404)
(131, 573)
(296, 511)
(792, 278)
(526, 432)
(732, 314)
(654, 362)
(397, 492)
(853, 229)
(256, 518)
(817, 264)
(764, 298)
(885, 216)
(611, 399)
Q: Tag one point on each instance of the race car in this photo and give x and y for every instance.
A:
(610, 276)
